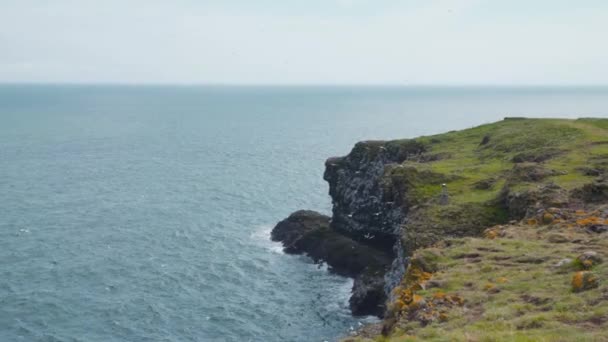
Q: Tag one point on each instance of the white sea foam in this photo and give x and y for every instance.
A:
(261, 236)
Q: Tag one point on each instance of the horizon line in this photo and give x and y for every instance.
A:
(304, 84)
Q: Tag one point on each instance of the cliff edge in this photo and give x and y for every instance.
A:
(394, 198)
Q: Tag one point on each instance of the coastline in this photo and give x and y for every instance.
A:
(388, 205)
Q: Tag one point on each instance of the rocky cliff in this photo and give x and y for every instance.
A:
(391, 198)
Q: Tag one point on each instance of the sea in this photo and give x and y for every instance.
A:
(143, 213)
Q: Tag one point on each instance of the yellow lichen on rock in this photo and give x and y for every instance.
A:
(494, 232)
(532, 222)
(584, 280)
(548, 218)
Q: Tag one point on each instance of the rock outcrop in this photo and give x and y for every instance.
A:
(308, 232)
(387, 197)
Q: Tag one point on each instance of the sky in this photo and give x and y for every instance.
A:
(406, 42)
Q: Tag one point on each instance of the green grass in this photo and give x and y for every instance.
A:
(480, 175)
(532, 300)
(466, 162)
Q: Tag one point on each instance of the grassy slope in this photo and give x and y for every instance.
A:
(554, 150)
(511, 290)
(574, 141)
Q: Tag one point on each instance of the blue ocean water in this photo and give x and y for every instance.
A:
(132, 213)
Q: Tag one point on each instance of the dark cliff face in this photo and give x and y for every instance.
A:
(362, 208)
(365, 208)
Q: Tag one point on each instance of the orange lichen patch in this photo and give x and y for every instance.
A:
(407, 296)
(580, 213)
(400, 304)
(502, 280)
(494, 232)
(415, 306)
(591, 220)
(439, 295)
(416, 298)
(577, 281)
(457, 300)
(490, 234)
(489, 286)
(548, 218)
(584, 280)
(416, 276)
(589, 259)
(532, 222)
(417, 302)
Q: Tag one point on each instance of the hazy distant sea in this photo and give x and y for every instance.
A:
(143, 213)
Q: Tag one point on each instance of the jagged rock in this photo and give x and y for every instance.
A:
(531, 172)
(527, 203)
(597, 228)
(564, 263)
(548, 218)
(536, 156)
(298, 224)
(359, 202)
(494, 232)
(596, 192)
(368, 296)
(363, 207)
(584, 280)
(427, 225)
(485, 140)
(309, 232)
(557, 238)
(592, 171)
(589, 259)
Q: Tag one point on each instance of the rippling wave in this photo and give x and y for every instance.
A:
(143, 213)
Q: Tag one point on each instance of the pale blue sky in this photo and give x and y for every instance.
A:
(305, 41)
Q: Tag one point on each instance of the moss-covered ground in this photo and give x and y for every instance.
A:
(518, 283)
